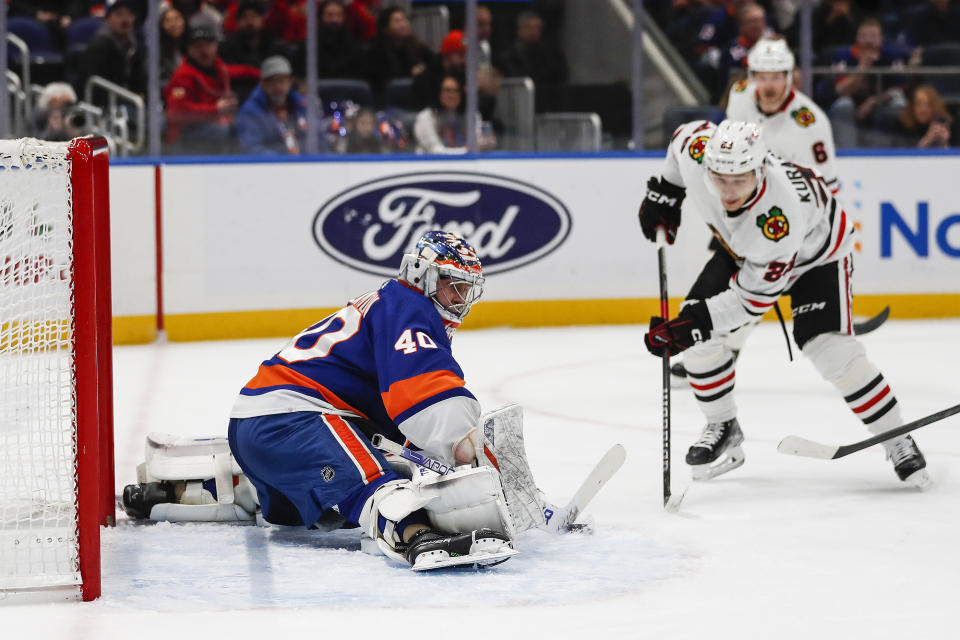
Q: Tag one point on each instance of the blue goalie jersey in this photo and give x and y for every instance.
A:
(383, 358)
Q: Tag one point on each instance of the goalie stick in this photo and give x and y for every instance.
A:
(563, 517)
(797, 446)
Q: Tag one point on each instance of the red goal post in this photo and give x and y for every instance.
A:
(56, 378)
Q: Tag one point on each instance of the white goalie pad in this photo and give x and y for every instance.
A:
(465, 500)
(191, 460)
(458, 502)
(499, 443)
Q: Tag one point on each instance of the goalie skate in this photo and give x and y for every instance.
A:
(718, 450)
(430, 550)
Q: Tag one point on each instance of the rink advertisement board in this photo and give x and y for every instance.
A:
(262, 248)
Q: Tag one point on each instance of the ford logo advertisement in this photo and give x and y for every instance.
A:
(509, 223)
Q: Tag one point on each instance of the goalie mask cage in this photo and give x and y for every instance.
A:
(56, 391)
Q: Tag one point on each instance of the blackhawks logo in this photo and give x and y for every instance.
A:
(741, 86)
(774, 224)
(803, 116)
(697, 147)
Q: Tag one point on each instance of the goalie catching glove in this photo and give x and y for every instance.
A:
(693, 325)
(661, 208)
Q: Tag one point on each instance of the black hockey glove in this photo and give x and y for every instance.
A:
(661, 208)
(693, 325)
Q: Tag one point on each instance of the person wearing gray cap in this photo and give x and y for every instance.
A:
(273, 120)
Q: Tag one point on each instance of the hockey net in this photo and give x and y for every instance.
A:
(56, 440)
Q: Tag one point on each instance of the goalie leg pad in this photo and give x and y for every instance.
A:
(184, 464)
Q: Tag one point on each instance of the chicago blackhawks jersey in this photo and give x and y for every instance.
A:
(385, 358)
(791, 224)
(798, 131)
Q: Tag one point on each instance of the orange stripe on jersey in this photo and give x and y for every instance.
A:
(355, 448)
(278, 375)
(403, 394)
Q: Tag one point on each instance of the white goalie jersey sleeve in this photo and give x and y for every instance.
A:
(441, 425)
(799, 131)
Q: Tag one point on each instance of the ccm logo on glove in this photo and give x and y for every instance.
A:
(693, 325)
(661, 208)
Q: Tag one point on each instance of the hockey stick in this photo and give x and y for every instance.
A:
(605, 469)
(670, 501)
(563, 518)
(408, 454)
(865, 327)
(796, 446)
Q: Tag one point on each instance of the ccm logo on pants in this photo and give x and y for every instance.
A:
(812, 306)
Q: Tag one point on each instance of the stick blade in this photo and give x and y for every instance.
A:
(797, 446)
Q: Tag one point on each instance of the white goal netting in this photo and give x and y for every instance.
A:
(38, 486)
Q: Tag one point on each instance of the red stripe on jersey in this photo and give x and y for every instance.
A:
(279, 375)
(403, 394)
(843, 228)
(713, 385)
(355, 448)
(877, 398)
(760, 305)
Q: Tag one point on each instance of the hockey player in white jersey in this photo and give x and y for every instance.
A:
(783, 232)
(794, 127)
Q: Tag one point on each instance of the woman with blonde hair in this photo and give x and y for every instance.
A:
(925, 121)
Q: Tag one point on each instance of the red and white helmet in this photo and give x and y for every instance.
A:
(734, 148)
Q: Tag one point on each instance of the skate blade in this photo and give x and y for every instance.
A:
(441, 560)
(919, 480)
(734, 457)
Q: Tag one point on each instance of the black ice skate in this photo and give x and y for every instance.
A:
(139, 499)
(717, 451)
(908, 462)
(433, 550)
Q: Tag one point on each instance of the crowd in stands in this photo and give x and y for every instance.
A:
(887, 108)
(233, 72)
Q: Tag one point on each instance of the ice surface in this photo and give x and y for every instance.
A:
(783, 547)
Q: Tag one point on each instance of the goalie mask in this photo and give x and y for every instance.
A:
(447, 270)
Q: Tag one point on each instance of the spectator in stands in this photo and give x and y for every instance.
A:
(273, 120)
(835, 24)
(453, 61)
(939, 23)
(362, 137)
(532, 57)
(441, 128)
(200, 104)
(361, 23)
(56, 119)
(114, 53)
(687, 28)
(173, 29)
(396, 53)
(854, 98)
(925, 121)
(197, 13)
(338, 54)
(485, 35)
(752, 21)
(249, 44)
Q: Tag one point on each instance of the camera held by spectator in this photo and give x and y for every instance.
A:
(58, 118)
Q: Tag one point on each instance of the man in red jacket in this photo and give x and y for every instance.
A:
(200, 103)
